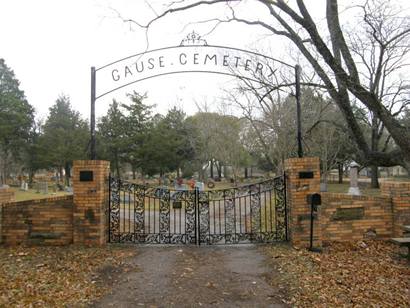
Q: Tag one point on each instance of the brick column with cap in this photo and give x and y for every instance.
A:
(303, 178)
(90, 189)
(399, 192)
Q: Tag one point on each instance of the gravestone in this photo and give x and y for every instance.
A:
(24, 186)
(200, 186)
(44, 188)
(180, 186)
(354, 180)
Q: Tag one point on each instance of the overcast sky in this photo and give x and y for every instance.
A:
(51, 46)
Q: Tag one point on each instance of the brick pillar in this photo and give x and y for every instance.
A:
(6, 195)
(303, 178)
(90, 188)
(399, 192)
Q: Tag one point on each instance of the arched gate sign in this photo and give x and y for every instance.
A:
(192, 55)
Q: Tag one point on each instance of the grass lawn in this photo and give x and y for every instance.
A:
(344, 188)
(32, 195)
(218, 185)
(399, 179)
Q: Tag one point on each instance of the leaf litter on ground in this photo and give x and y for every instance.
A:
(58, 276)
(363, 274)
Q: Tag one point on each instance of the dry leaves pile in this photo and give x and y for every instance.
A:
(365, 274)
(56, 276)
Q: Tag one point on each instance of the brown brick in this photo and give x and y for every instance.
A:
(49, 216)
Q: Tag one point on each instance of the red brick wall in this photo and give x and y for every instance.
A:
(349, 218)
(343, 217)
(37, 222)
(79, 219)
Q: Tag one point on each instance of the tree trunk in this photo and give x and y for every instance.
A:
(134, 174)
(30, 177)
(212, 169)
(323, 184)
(374, 177)
(2, 177)
(67, 170)
(340, 172)
(117, 164)
(202, 175)
(3, 167)
(219, 169)
(235, 177)
(246, 172)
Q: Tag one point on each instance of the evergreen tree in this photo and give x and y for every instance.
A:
(16, 120)
(138, 123)
(65, 136)
(112, 135)
(170, 144)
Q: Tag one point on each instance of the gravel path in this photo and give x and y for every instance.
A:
(190, 276)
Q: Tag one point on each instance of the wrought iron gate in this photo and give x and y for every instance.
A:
(245, 214)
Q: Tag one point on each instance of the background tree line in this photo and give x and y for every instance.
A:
(132, 135)
(129, 135)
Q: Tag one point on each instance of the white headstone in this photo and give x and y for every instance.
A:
(200, 186)
(45, 188)
(354, 179)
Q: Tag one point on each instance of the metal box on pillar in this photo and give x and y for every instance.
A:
(90, 188)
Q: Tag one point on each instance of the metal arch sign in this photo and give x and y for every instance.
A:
(192, 55)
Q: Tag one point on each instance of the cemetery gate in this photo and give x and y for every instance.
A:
(253, 213)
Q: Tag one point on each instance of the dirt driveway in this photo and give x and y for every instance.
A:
(190, 276)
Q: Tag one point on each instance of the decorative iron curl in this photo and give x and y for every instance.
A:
(193, 38)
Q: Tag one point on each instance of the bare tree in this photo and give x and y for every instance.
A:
(382, 65)
(337, 66)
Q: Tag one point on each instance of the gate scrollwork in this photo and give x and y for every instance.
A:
(252, 213)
